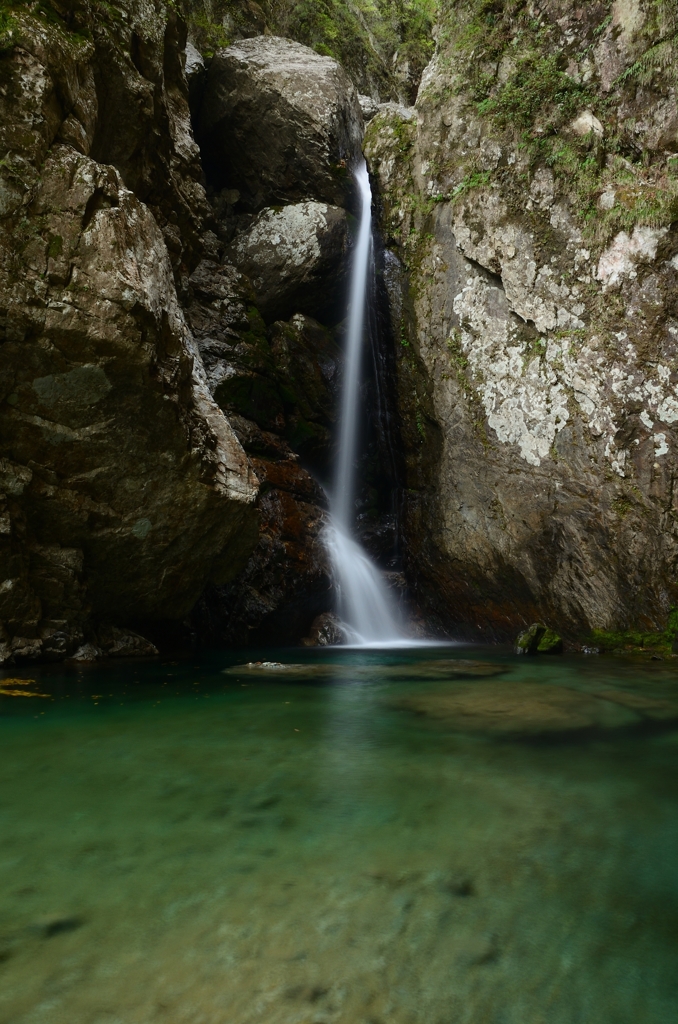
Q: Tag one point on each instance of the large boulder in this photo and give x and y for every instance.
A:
(279, 123)
(296, 258)
(124, 487)
(278, 389)
(284, 380)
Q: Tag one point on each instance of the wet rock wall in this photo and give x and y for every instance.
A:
(528, 206)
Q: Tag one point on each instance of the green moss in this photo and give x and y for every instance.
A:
(252, 396)
(476, 179)
(622, 506)
(55, 247)
(512, 66)
(405, 133)
(634, 640)
(8, 28)
(301, 432)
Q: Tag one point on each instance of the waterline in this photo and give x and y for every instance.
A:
(366, 608)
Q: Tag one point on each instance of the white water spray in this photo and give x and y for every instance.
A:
(366, 607)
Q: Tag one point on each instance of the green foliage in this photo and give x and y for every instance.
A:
(210, 35)
(365, 31)
(363, 35)
(55, 247)
(476, 179)
(537, 91)
(8, 28)
(511, 64)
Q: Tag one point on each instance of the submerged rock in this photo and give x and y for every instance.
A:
(519, 708)
(266, 668)
(443, 669)
(279, 123)
(88, 652)
(296, 259)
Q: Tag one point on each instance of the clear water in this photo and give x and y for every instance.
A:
(180, 845)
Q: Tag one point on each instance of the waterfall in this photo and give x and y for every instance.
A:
(366, 607)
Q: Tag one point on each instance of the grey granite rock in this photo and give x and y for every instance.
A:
(279, 123)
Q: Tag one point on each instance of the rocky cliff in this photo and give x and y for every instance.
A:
(162, 370)
(124, 487)
(528, 202)
(175, 211)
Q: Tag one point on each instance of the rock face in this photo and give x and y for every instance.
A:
(296, 259)
(160, 379)
(279, 123)
(279, 390)
(124, 489)
(528, 205)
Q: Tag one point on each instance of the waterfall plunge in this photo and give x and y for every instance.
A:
(367, 610)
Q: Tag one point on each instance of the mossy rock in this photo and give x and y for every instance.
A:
(550, 643)
(539, 639)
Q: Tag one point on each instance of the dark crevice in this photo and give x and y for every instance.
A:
(99, 200)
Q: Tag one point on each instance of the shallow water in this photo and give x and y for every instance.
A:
(180, 845)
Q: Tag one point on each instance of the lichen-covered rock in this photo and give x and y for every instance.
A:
(279, 123)
(533, 273)
(297, 260)
(368, 106)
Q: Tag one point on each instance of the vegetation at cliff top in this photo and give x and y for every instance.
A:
(511, 62)
(382, 43)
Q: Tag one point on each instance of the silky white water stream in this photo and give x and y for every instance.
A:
(365, 606)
